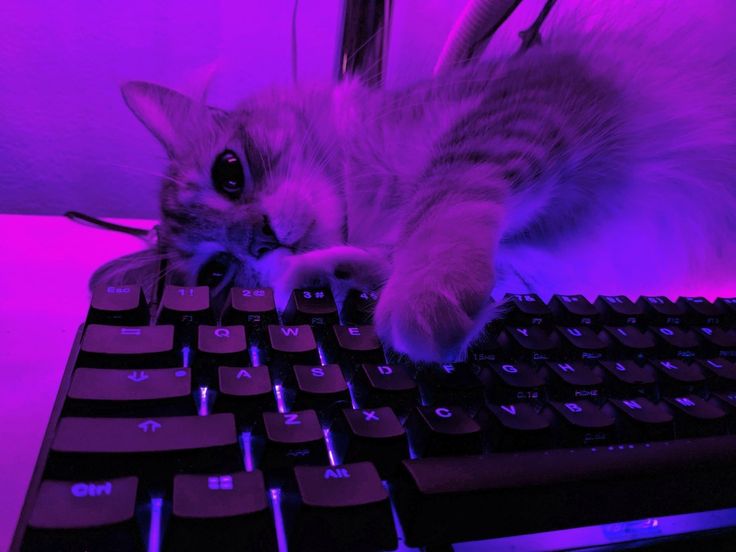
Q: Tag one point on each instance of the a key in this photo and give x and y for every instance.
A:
(659, 310)
(253, 307)
(698, 310)
(517, 426)
(185, 306)
(450, 384)
(574, 310)
(222, 345)
(626, 378)
(313, 306)
(118, 305)
(573, 380)
(356, 344)
(342, 508)
(154, 392)
(245, 391)
(128, 347)
(90, 515)
(532, 342)
(619, 310)
(290, 345)
(584, 423)
(511, 382)
(359, 306)
(153, 447)
(443, 431)
(526, 309)
(581, 342)
(720, 373)
(320, 387)
(677, 377)
(697, 417)
(643, 420)
(291, 439)
(717, 341)
(629, 341)
(677, 341)
(373, 434)
(223, 512)
(385, 384)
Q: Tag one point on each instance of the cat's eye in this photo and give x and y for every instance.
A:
(228, 175)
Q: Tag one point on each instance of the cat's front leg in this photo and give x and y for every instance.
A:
(437, 297)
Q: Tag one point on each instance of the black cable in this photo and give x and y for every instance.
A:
(76, 216)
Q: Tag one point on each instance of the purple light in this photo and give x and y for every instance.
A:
(186, 355)
(278, 391)
(203, 406)
(322, 356)
(154, 533)
(254, 355)
(331, 453)
(278, 519)
(245, 441)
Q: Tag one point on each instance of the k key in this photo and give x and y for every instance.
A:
(119, 305)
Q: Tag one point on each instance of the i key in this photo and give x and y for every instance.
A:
(313, 306)
(253, 307)
(119, 305)
(629, 341)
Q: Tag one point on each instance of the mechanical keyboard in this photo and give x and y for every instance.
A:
(182, 426)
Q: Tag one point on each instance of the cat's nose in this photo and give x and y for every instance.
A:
(264, 239)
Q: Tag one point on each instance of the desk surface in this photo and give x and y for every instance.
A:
(47, 262)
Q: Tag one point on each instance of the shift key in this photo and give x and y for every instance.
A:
(128, 347)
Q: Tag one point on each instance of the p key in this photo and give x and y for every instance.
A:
(119, 305)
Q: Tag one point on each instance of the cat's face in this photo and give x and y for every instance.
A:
(255, 184)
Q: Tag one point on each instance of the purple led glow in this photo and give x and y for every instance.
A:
(245, 443)
(278, 392)
(154, 533)
(203, 408)
(331, 453)
(186, 355)
(278, 519)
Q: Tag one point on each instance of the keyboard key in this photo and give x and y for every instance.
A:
(643, 420)
(246, 392)
(291, 345)
(532, 342)
(384, 384)
(450, 384)
(227, 512)
(118, 305)
(676, 377)
(727, 306)
(701, 311)
(291, 439)
(676, 341)
(721, 373)
(320, 387)
(573, 380)
(517, 426)
(359, 306)
(443, 431)
(527, 309)
(253, 307)
(619, 310)
(486, 346)
(222, 345)
(574, 310)
(626, 378)
(696, 417)
(185, 306)
(156, 447)
(356, 344)
(128, 347)
(313, 306)
(659, 310)
(629, 341)
(581, 342)
(155, 392)
(342, 507)
(511, 382)
(584, 423)
(717, 341)
(85, 515)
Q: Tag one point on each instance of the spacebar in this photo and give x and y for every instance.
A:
(445, 500)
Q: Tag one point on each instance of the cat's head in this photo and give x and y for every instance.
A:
(250, 186)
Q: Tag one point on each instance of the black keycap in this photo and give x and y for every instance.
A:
(517, 426)
(320, 387)
(717, 341)
(526, 309)
(677, 377)
(185, 306)
(643, 420)
(486, 346)
(155, 392)
(659, 310)
(84, 515)
(383, 384)
(373, 434)
(253, 307)
(581, 342)
(677, 341)
(222, 345)
(619, 310)
(629, 341)
(450, 384)
(573, 310)
(245, 391)
(626, 378)
(701, 311)
(441, 500)
(697, 417)
(532, 342)
(359, 306)
(227, 512)
(313, 306)
(356, 344)
(151, 447)
(443, 431)
(128, 347)
(120, 305)
(720, 373)
(728, 307)
(573, 380)
(584, 423)
(342, 507)
(291, 345)
(291, 439)
(511, 382)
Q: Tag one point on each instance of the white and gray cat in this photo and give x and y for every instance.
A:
(597, 162)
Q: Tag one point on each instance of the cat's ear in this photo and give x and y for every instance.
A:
(173, 118)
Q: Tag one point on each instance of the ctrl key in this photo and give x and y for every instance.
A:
(84, 515)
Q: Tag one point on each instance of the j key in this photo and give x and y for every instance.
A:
(533, 342)
(359, 306)
(342, 508)
(313, 306)
(721, 373)
(222, 345)
(486, 347)
(155, 392)
(123, 346)
(450, 384)
(526, 309)
(320, 387)
(245, 391)
(156, 447)
(701, 311)
(185, 306)
(727, 306)
(629, 341)
(643, 420)
(573, 310)
(677, 377)
(511, 382)
(584, 423)
(573, 380)
(626, 378)
(717, 341)
(660, 310)
(292, 439)
(355, 344)
(677, 341)
(383, 384)
(123, 305)
(226, 512)
(581, 342)
(619, 310)
(443, 431)
(97, 516)
(373, 434)
(696, 417)
(517, 426)
(253, 307)
(291, 345)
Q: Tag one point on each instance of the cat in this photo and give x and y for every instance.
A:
(602, 160)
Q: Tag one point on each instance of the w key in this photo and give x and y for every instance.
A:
(128, 347)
